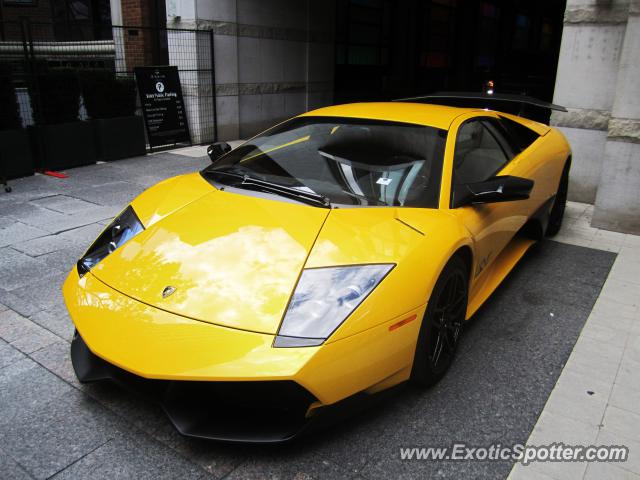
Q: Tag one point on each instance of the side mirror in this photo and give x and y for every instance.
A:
(496, 189)
(218, 149)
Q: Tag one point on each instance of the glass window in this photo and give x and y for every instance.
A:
(363, 32)
(349, 161)
(487, 35)
(365, 14)
(546, 35)
(477, 156)
(360, 55)
(520, 137)
(81, 19)
(522, 32)
(498, 132)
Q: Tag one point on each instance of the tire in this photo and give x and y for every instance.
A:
(438, 340)
(559, 204)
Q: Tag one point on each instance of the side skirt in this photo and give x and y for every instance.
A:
(499, 269)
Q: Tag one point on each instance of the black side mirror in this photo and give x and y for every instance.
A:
(496, 189)
(218, 149)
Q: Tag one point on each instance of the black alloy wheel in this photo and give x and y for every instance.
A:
(442, 324)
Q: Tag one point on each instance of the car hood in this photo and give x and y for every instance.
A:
(232, 259)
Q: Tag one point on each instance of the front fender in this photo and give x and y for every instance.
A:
(418, 241)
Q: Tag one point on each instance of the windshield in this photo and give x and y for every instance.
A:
(346, 161)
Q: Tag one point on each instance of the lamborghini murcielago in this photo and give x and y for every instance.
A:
(322, 262)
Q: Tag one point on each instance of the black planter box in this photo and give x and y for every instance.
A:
(16, 159)
(120, 137)
(67, 145)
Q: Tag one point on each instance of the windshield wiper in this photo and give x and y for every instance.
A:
(365, 198)
(283, 190)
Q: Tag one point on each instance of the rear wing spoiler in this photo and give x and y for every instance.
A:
(509, 103)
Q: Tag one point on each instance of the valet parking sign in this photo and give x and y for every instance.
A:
(162, 105)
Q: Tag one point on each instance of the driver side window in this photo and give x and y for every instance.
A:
(477, 156)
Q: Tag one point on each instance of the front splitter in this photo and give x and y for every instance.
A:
(231, 411)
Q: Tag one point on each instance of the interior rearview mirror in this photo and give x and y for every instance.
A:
(496, 189)
(216, 150)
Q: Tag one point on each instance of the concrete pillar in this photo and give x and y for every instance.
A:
(321, 17)
(116, 12)
(118, 36)
(273, 59)
(617, 205)
(285, 60)
(586, 84)
(191, 53)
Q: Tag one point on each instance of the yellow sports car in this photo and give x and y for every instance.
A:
(326, 260)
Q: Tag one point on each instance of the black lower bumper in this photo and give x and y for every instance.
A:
(253, 412)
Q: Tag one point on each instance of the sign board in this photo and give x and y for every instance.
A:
(162, 105)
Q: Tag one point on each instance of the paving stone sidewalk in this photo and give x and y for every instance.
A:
(51, 426)
(596, 400)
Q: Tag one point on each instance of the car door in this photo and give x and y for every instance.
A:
(481, 152)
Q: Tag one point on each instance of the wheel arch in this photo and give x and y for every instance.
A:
(536, 225)
(466, 253)
(421, 374)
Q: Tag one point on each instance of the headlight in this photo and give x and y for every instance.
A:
(123, 228)
(323, 299)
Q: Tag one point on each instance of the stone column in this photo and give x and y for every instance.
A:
(285, 60)
(617, 205)
(586, 85)
(116, 12)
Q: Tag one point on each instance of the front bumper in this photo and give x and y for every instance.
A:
(189, 365)
(247, 412)
(230, 411)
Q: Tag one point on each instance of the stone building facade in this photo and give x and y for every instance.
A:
(278, 58)
(274, 59)
(598, 80)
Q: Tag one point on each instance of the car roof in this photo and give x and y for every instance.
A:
(429, 115)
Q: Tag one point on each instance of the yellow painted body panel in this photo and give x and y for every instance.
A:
(491, 227)
(169, 196)
(232, 258)
(497, 271)
(353, 236)
(421, 114)
(153, 343)
(235, 259)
